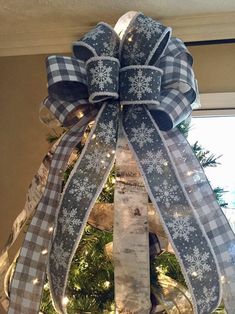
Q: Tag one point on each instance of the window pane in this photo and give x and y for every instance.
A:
(216, 134)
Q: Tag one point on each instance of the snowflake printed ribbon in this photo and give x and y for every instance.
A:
(147, 78)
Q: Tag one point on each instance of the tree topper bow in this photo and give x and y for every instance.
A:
(144, 83)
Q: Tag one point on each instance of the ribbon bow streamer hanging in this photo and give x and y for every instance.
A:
(148, 81)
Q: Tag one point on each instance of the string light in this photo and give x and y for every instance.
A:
(93, 136)
(44, 252)
(113, 180)
(50, 230)
(35, 281)
(113, 151)
(65, 301)
(189, 173)
(223, 279)
(106, 284)
(108, 155)
(80, 114)
(194, 274)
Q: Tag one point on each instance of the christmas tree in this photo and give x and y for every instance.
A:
(91, 281)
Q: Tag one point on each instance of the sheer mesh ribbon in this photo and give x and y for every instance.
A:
(148, 74)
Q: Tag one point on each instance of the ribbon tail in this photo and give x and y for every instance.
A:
(28, 278)
(188, 238)
(34, 194)
(80, 193)
(210, 214)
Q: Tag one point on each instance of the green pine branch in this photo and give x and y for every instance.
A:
(205, 158)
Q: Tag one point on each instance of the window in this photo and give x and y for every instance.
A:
(216, 134)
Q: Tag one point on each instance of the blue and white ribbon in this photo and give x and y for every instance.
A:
(148, 78)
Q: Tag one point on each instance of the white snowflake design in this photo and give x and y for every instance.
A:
(207, 298)
(198, 263)
(110, 49)
(142, 135)
(148, 27)
(167, 193)
(69, 221)
(93, 33)
(107, 132)
(133, 53)
(101, 75)
(59, 256)
(96, 161)
(140, 84)
(57, 286)
(154, 161)
(81, 188)
(133, 112)
(181, 228)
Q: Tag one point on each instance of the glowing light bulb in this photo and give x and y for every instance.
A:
(108, 155)
(50, 230)
(93, 136)
(223, 279)
(44, 252)
(35, 281)
(194, 274)
(80, 114)
(106, 284)
(65, 301)
(113, 151)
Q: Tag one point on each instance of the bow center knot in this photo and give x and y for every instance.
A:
(139, 84)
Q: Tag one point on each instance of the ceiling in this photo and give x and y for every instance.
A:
(44, 26)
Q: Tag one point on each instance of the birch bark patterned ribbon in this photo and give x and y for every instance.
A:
(146, 77)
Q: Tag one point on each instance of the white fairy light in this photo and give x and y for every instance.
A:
(65, 301)
(44, 252)
(113, 180)
(189, 173)
(80, 114)
(93, 136)
(113, 151)
(108, 155)
(50, 230)
(165, 163)
(223, 279)
(35, 281)
(106, 284)
(194, 274)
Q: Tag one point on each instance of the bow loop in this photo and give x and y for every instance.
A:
(144, 41)
(100, 41)
(102, 78)
(178, 89)
(66, 78)
(140, 84)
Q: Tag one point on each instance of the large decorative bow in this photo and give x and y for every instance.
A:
(143, 83)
